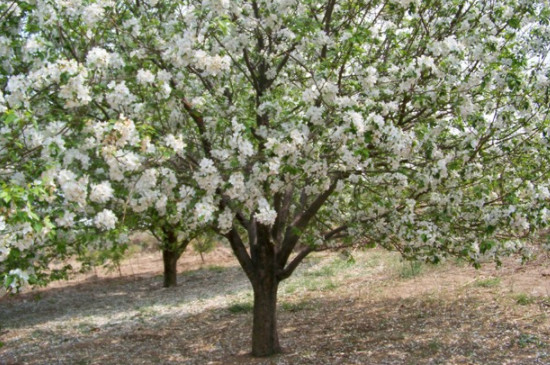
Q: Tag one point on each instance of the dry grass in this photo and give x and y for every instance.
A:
(373, 311)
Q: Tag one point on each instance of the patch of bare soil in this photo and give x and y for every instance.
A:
(373, 311)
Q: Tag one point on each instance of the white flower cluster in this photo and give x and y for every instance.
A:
(101, 193)
(105, 220)
(4, 240)
(265, 214)
(237, 189)
(175, 143)
(204, 210)
(145, 188)
(218, 6)
(127, 133)
(4, 250)
(120, 161)
(208, 177)
(225, 220)
(212, 65)
(117, 158)
(100, 59)
(66, 220)
(71, 154)
(145, 77)
(179, 49)
(74, 90)
(120, 96)
(19, 279)
(74, 190)
(240, 143)
(93, 13)
(3, 107)
(186, 195)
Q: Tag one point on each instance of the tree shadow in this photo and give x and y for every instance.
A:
(106, 297)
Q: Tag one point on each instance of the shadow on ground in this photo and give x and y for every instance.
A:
(330, 312)
(416, 330)
(111, 296)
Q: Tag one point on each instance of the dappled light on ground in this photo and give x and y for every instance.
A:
(373, 311)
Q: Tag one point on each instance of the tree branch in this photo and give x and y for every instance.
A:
(197, 118)
(289, 269)
(240, 252)
(282, 208)
(293, 232)
(332, 234)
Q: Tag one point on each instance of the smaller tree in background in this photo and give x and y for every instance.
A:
(172, 248)
(204, 244)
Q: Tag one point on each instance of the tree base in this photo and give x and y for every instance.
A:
(274, 352)
(170, 259)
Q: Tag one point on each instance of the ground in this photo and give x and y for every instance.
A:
(367, 308)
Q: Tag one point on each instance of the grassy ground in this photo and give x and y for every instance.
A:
(370, 310)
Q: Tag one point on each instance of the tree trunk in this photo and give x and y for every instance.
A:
(265, 339)
(170, 259)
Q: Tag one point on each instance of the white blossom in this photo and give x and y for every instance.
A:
(66, 220)
(20, 278)
(225, 220)
(204, 210)
(98, 57)
(265, 214)
(175, 143)
(105, 220)
(145, 77)
(92, 14)
(101, 193)
(120, 95)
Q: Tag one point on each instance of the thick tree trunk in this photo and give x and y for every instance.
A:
(265, 339)
(170, 259)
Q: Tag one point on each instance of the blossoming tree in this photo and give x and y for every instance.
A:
(287, 125)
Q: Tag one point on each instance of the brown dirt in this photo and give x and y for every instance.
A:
(330, 312)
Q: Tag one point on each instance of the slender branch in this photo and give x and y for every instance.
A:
(332, 234)
(327, 21)
(282, 64)
(67, 42)
(282, 214)
(303, 219)
(289, 269)
(8, 10)
(197, 118)
(293, 232)
(250, 68)
(241, 253)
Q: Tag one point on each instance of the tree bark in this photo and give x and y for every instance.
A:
(265, 339)
(170, 259)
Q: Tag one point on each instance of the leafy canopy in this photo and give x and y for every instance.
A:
(420, 126)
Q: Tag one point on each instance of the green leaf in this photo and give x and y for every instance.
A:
(48, 223)
(10, 117)
(486, 246)
(490, 229)
(32, 215)
(514, 23)
(4, 195)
